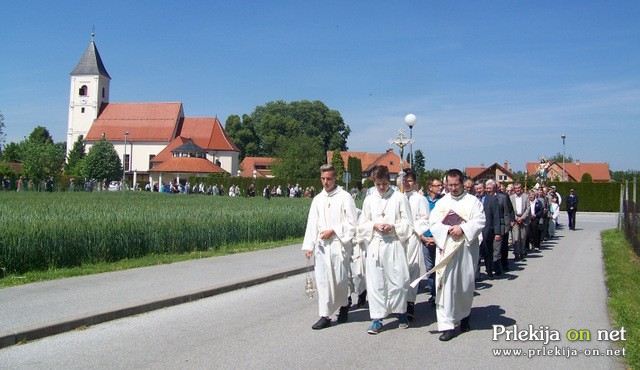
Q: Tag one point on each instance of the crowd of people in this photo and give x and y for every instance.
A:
(404, 239)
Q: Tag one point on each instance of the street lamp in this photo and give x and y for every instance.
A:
(124, 157)
(563, 153)
(410, 120)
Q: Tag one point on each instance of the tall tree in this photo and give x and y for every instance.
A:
(41, 160)
(299, 157)
(243, 134)
(76, 156)
(338, 164)
(355, 169)
(418, 162)
(40, 135)
(102, 162)
(277, 120)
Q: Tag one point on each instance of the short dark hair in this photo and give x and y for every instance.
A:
(431, 180)
(410, 173)
(381, 172)
(454, 173)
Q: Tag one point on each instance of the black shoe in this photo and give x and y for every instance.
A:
(322, 323)
(464, 325)
(343, 315)
(505, 268)
(447, 335)
(362, 299)
(410, 311)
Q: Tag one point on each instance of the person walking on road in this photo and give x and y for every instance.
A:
(331, 225)
(385, 226)
(572, 208)
(456, 222)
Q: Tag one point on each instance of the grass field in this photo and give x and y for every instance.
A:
(622, 267)
(49, 231)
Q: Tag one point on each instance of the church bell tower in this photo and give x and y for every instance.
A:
(89, 91)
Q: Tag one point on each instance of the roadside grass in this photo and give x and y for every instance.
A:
(622, 267)
(149, 260)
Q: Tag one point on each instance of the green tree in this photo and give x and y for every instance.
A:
(418, 162)
(40, 135)
(102, 162)
(279, 120)
(586, 177)
(243, 134)
(76, 156)
(354, 165)
(299, 157)
(12, 153)
(41, 160)
(558, 158)
(338, 164)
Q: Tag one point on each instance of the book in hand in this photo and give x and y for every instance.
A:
(453, 219)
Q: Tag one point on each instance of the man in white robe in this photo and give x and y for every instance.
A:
(331, 226)
(415, 259)
(358, 283)
(458, 250)
(386, 224)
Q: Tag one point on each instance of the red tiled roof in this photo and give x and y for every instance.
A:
(473, 172)
(187, 165)
(165, 154)
(574, 171)
(150, 122)
(208, 134)
(249, 164)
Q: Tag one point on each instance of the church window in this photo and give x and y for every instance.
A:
(83, 90)
(103, 92)
(82, 111)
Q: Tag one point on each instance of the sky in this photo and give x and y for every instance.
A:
(489, 81)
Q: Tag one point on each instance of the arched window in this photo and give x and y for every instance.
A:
(103, 92)
(83, 90)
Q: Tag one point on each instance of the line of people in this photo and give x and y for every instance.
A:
(378, 252)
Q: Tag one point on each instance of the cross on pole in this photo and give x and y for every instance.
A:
(401, 141)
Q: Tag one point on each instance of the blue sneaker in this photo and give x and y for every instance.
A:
(375, 328)
(403, 321)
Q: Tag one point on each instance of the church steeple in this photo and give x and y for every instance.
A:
(89, 92)
(90, 63)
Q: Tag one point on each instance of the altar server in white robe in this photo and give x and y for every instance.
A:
(420, 213)
(385, 226)
(358, 283)
(331, 228)
(457, 255)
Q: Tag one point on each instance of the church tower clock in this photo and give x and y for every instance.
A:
(89, 91)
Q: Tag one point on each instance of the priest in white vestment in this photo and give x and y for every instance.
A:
(457, 255)
(385, 226)
(331, 228)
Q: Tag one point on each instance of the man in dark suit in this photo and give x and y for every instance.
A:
(572, 208)
(507, 216)
(491, 233)
(535, 226)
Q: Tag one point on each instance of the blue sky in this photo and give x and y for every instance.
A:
(490, 81)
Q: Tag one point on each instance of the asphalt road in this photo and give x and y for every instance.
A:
(268, 326)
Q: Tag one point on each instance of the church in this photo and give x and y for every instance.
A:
(155, 141)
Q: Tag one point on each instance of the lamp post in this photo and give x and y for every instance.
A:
(410, 120)
(124, 157)
(563, 136)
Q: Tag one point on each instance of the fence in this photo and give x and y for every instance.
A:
(629, 220)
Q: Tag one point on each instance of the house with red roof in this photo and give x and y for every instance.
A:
(257, 167)
(154, 139)
(371, 160)
(494, 172)
(573, 171)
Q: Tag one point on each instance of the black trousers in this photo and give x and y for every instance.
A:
(504, 251)
(572, 219)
